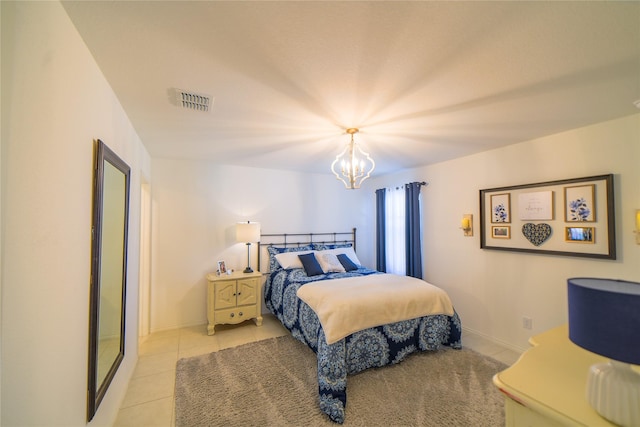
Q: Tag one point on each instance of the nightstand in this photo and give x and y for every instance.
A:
(233, 298)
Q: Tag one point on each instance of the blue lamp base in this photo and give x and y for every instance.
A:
(613, 390)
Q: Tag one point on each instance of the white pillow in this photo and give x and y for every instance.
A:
(290, 259)
(347, 251)
(329, 262)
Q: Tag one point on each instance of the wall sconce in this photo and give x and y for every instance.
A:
(637, 230)
(467, 224)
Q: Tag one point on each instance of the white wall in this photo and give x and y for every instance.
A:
(55, 103)
(493, 290)
(196, 205)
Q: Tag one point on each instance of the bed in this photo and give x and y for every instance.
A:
(358, 337)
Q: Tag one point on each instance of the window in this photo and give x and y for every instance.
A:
(395, 249)
(398, 230)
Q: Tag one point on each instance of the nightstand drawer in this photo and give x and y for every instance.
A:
(235, 315)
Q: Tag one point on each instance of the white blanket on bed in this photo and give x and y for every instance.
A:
(348, 305)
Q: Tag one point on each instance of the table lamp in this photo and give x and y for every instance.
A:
(604, 318)
(248, 232)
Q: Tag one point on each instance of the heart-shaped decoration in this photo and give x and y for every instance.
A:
(536, 233)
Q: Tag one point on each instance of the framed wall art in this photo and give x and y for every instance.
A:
(580, 234)
(535, 206)
(551, 218)
(578, 203)
(500, 231)
(500, 208)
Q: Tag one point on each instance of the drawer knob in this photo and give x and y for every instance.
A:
(232, 314)
(240, 314)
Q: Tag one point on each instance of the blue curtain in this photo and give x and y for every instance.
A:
(413, 233)
(381, 255)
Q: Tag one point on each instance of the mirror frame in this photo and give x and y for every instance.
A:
(95, 391)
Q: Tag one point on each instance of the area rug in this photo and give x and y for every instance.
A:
(274, 383)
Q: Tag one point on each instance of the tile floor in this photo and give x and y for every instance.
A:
(149, 398)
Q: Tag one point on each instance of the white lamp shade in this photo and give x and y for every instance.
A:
(248, 232)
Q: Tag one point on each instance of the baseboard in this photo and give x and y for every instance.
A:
(172, 328)
(494, 340)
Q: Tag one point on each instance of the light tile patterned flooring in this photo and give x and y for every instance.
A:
(149, 398)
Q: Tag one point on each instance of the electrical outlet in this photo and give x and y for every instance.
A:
(527, 322)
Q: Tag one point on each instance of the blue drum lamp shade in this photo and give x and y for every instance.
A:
(604, 318)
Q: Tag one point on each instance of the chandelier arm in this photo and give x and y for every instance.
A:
(353, 162)
(346, 184)
(373, 165)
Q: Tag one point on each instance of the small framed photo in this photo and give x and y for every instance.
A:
(501, 208)
(580, 234)
(222, 268)
(579, 203)
(501, 231)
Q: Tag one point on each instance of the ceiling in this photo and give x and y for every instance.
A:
(424, 81)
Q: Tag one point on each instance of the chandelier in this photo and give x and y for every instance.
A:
(354, 164)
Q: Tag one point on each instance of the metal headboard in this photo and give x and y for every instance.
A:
(301, 239)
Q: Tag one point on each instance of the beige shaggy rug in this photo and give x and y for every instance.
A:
(274, 383)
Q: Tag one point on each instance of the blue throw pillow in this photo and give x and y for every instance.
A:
(347, 263)
(310, 264)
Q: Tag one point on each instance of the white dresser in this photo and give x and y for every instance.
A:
(546, 387)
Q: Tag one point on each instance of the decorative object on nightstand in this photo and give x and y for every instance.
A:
(233, 298)
(604, 318)
(248, 232)
(222, 267)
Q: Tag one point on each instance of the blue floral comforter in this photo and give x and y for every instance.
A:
(374, 347)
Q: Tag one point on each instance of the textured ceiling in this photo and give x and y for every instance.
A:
(424, 81)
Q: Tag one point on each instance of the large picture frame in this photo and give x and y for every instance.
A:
(552, 217)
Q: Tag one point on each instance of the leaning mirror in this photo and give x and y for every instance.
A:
(108, 272)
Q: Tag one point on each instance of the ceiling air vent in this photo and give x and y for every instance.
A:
(193, 101)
